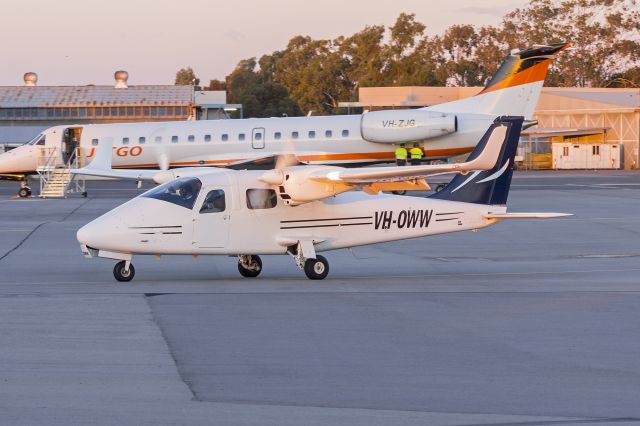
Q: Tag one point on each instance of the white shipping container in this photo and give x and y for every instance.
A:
(585, 155)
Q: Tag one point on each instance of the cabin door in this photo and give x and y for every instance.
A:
(257, 138)
(212, 219)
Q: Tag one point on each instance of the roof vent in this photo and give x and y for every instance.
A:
(121, 79)
(30, 79)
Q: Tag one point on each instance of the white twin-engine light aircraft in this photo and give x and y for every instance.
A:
(301, 210)
(442, 131)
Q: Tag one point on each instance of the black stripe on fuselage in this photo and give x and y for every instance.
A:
(332, 225)
(324, 220)
(155, 227)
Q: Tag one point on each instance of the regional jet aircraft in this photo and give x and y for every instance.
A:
(301, 210)
(442, 131)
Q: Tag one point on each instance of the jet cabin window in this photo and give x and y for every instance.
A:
(207, 138)
(94, 142)
(261, 199)
(182, 192)
(214, 202)
(142, 140)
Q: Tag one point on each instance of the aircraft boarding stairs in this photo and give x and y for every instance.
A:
(56, 180)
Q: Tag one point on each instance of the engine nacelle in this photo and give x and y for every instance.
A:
(407, 125)
(299, 187)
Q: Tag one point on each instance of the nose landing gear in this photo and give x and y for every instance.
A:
(124, 271)
(25, 189)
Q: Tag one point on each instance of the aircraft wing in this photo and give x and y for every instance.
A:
(132, 174)
(485, 161)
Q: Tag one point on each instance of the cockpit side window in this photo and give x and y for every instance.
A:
(38, 140)
(259, 198)
(182, 192)
(214, 202)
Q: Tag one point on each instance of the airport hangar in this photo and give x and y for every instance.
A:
(583, 123)
(28, 109)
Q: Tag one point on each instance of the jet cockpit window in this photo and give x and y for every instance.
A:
(261, 198)
(182, 192)
(38, 140)
(214, 202)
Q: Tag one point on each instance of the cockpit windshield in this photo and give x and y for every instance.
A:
(38, 140)
(182, 192)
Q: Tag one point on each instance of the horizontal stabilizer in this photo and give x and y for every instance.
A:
(526, 215)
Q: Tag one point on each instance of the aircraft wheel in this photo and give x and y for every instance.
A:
(254, 271)
(24, 192)
(316, 269)
(121, 274)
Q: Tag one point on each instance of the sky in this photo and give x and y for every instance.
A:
(77, 42)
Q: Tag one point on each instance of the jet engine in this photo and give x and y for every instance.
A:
(408, 125)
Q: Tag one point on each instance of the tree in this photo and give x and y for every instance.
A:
(255, 90)
(216, 85)
(186, 77)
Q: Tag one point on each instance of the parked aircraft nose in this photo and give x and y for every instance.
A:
(19, 160)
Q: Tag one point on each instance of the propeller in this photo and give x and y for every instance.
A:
(162, 156)
(284, 160)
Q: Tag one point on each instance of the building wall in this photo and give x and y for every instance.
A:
(559, 108)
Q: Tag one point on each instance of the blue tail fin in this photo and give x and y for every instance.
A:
(489, 186)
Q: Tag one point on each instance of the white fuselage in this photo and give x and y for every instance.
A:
(314, 140)
(152, 226)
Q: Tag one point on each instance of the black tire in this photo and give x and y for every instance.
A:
(84, 194)
(121, 275)
(402, 192)
(24, 192)
(316, 269)
(251, 273)
(440, 187)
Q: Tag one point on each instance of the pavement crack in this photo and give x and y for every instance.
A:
(75, 210)
(194, 396)
(22, 241)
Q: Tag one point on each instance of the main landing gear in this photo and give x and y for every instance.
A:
(124, 271)
(249, 266)
(315, 267)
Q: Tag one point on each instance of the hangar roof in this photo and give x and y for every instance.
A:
(620, 97)
(91, 95)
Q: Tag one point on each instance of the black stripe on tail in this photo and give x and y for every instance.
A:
(490, 186)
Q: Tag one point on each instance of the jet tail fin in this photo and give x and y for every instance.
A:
(515, 87)
(490, 186)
